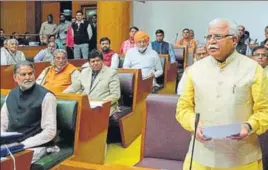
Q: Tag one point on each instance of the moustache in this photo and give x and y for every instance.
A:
(213, 46)
(28, 81)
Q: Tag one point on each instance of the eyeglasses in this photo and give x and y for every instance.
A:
(217, 36)
(260, 55)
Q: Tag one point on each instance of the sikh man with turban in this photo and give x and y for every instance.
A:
(225, 88)
(144, 57)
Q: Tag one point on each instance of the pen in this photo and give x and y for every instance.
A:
(234, 89)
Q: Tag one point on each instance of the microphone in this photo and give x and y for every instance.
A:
(176, 37)
(197, 117)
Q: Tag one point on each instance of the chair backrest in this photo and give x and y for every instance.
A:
(179, 54)
(121, 61)
(66, 119)
(164, 137)
(127, 88)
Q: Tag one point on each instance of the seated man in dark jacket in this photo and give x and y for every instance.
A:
(30, 109)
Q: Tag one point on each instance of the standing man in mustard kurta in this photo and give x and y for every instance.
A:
(225, 87)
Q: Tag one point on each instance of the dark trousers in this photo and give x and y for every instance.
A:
(70, 52)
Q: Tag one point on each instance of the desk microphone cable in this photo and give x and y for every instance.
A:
(12, 157)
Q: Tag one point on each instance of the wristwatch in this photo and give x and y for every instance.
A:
(249, 127)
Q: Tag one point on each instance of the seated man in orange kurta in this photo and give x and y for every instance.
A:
(59, 76)
(187, 40)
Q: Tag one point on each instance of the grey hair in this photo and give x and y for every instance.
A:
(5, 41)
(233, 29)
(60, 51)
(201, 45)
(22, 63)
(9, 41)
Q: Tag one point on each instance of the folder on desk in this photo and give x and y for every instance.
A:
(13, 148)
(222, 131)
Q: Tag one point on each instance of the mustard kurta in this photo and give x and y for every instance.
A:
(229, 92)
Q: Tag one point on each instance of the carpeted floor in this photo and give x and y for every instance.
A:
(116, 154)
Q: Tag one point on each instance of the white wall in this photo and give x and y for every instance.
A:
(173, 16)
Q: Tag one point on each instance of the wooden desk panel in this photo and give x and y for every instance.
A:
(30, 51)
(73, 165)
(23, 161)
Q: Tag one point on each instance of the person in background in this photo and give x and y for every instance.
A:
(145, 58)
(187, 41)
(60, 75)
(93, 40)
(61, 31)
(11, 55)
(46, 29)
(265, 43)
(265, 34)
(243, 44)
(163, 47)
(128, 44)
(25, 40)
(47, 53)
(260, 54)
(110, 57)
(82, 32)
(225, 88)
(192, 35)
(70, 43)
(200, 53)
(30, 109)
(2, 37)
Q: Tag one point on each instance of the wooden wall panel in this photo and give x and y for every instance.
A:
(51, 8)
(76, 5)
(30, 17)
(113, 21)
(13, 16)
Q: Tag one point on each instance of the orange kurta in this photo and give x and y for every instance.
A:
(191, 44)
(59, 81)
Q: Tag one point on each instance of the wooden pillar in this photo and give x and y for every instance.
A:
(114, 20)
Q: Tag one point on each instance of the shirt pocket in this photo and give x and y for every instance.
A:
(241, 95)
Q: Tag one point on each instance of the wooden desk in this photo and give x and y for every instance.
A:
(73, 165)
(23, 161)
(30, 51)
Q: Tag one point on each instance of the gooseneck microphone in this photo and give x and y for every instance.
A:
(176, 38)
(197, 117)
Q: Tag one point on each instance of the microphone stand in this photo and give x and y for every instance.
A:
(197, 117)
(176, 38)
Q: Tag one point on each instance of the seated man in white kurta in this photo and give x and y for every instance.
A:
(144, 57)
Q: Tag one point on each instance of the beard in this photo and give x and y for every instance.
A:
(105, 49)
(26, 84)
(62, 20)
(142, 50)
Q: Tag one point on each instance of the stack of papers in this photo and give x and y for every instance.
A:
(94, 104)
(9, 137)
(222, 131)
(6, 134)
